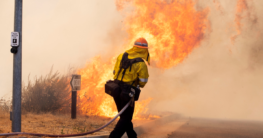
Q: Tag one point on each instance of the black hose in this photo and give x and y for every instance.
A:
(69, 135)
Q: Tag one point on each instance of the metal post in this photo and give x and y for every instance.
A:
(74, 105)
(17, 69)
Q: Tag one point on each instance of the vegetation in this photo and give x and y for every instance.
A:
(48, 123)
(46, 109)
(50, 93)
(4, 106)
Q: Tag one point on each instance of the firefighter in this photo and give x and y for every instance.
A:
(136, 75)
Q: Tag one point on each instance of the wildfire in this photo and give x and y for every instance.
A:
(241, 7)
(172, 29)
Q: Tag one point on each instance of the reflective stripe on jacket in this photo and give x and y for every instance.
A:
(138, 73)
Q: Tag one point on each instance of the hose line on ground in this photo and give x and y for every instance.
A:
(69, 135)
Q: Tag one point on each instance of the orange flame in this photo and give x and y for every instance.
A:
(172, 28)
(242, 10)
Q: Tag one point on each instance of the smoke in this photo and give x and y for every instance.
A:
(58, 33)
(223, 77)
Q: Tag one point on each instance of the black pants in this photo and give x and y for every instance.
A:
(125, 123)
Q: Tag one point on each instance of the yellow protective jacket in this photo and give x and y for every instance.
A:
(139, 71)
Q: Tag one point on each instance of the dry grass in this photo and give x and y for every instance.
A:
(49, 93)
(4, 121)
(45, 104)
(56, 124)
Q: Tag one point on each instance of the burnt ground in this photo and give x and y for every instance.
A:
(176, 126)
(205, 128)
(159, 128)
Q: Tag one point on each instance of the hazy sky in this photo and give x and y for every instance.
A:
(61, 33)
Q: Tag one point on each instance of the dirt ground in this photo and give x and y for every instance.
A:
(176, 126)
(60, 124)
(173, 126)
(56, 124)
(159, 128)
(208, 128)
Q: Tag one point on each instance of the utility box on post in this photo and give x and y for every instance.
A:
(75, 85)
(15, 39)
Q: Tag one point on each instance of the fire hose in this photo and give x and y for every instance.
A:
(70, 135)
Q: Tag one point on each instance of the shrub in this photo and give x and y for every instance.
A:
(47, 94)
(4, 106)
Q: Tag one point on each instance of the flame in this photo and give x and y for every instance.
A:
(241, 12)
(92, 98)
(172, 28)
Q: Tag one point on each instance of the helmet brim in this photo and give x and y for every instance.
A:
(141, 46)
